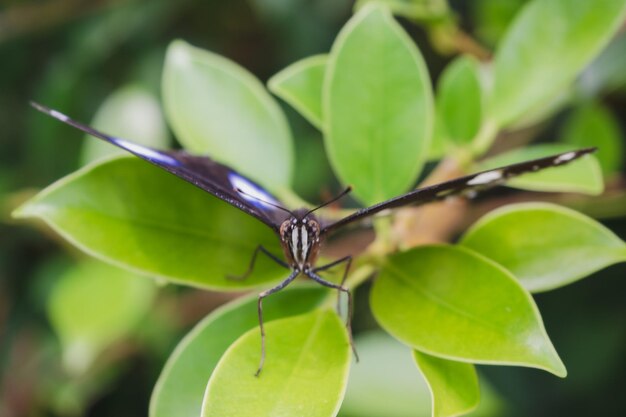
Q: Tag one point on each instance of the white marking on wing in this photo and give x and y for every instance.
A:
(147, 152)
(486, 178)
(59, 115)
(251, 192)
(444, 193)
(565, 157)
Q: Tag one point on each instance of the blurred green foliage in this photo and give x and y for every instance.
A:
(79, 56)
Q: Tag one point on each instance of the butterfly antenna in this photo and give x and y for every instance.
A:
(344, 192)
(239, 190)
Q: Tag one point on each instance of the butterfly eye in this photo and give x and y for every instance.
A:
(284, 229)
(314, 227)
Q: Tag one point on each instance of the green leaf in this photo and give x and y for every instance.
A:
(453, 303)
(545, 110)
(581, 176)
(606, 73)
(216, 107)
(594, 125)
(94, 305)
(544, 245)
(384, 382)
(492, 18)
(131, 112)
(377, 106)
(133, 214)
(412, 9)
(546, 47)
(180, 388)
(300, 85)
(453, 385)
(439, 144)
(459, 101)
(305, 371)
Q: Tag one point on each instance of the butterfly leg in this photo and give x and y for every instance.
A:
(311, 274)
(348, 261)
(264, 294)
(258, 249)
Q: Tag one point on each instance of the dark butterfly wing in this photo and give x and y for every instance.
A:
(461, 186)
(201, 171)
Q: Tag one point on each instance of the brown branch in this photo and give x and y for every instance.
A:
(448, 38)
(466, 44)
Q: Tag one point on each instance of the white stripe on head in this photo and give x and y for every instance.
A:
(294, 243)
(486, 178)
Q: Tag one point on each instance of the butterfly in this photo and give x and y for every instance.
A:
(300, 231)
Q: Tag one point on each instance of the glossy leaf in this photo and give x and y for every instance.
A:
(131, 112)
(544, 245)
(453, 385)
(300, 85)
(453, 303)
(459, 101)
(412, 9)
(439, 144)
(493, 18)
(135, 215)
(546, 47)
(384, 382)
(305, 372)
(377, 106)
(581, 176)
(606, 73)
(216, 107)
(94, 305)
(545, 110)
(180, 388)
(594, 125)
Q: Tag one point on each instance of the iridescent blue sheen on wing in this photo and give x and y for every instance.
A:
(149, 154)
(201, 171)
(252, 193)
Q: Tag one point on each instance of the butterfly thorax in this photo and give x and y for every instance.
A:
(300, 239)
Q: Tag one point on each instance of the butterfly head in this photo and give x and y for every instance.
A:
(300, 238)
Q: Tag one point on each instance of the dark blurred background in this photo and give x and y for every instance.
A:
(73, 55)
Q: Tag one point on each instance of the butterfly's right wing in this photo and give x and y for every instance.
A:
(461, 186)
(203, 172)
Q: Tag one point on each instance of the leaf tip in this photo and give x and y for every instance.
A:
(546, 356)
(557, 367)
(552, 362)
(597, 187)
(273, 84)
(24, 211)
(178, 53)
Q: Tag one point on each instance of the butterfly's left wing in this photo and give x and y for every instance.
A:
(201, 171)
(461, 186)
